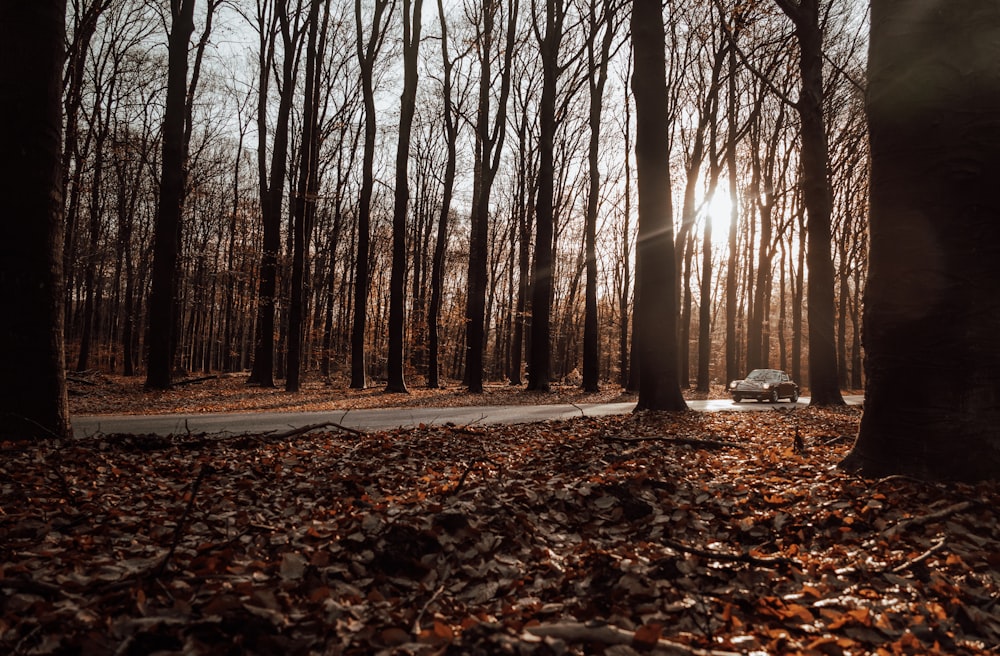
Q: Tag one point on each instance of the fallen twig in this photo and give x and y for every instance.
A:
(295, 432)
(192, 381)
(416, 622)
(776, 561)
(468, 470)
(934, 548)
(906, 524)
(612, 635)
(179, 531)
(689, 441)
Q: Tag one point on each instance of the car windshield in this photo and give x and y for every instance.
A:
(762, 374)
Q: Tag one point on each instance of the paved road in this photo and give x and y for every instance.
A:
(381, 418)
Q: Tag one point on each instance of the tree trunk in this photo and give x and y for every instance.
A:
(540, 361)
(397, 282)
(931, 312)
(166, 246)
(441, 239)
(367, 53)
(33, 391)
(272, 186)
(598, 64)
(303, 205)
(824, 383)
(656, 291)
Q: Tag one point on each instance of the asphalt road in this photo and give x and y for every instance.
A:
(381, 418)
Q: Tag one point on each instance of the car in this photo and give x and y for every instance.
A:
(764, 385)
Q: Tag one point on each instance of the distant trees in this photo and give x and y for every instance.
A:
(518, 238)
(33, 391)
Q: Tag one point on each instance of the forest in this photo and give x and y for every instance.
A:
(578, 194)
(336, 151)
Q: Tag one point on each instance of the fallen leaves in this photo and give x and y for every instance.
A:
(536, 539)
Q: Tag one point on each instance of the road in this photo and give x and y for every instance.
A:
(381, 418)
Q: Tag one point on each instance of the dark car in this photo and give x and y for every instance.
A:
(764, 385)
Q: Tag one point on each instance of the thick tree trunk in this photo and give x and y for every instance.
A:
(656, 291)
(33, 389)
(166, 246)
(932, 313)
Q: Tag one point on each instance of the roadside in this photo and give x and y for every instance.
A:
(95, 393)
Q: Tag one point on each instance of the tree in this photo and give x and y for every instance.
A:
(597, 59)
(367, 53)
(656, 294)
(397, 283)
(931, 308)
(304, 203)
(272, 184)
(448, 188)
(166, 249)
(539, 363)
(33, 391)
(824, 382)
(491, 132)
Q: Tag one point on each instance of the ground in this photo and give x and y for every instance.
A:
(96, 393)
(679, 533)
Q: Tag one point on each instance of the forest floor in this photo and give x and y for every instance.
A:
(682, 533)
(96, 393)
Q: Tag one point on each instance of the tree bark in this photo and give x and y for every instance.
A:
(304, 203)
(33, 390)
(272, 186)
(932, 313)
(166, 247)
(441, 239)
(367, 53)
(540, 360)
(824, 382)
(656, 291)
(598, 64)
(397, 281)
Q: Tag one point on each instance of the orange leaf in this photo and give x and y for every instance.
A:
(647, 635)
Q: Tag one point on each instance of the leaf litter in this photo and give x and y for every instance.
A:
(650, 533)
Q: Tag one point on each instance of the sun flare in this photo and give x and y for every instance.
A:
(719, 211)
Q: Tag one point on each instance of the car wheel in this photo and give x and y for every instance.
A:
(774, 396)
(737, 398)
(794, 398)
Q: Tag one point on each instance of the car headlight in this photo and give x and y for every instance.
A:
(732, 385)
(767, 385)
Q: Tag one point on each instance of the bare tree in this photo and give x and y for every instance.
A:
(824, 383)
(368, 50)
(162, 299)
(397, 283)
(597, 60)
(491, 130)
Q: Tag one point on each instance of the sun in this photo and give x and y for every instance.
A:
(719, 211)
